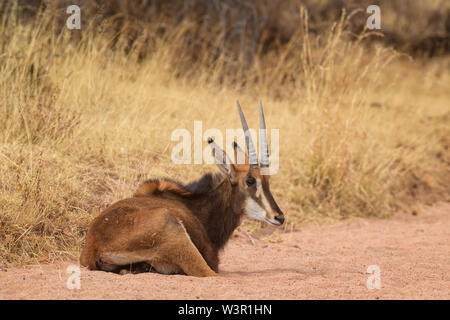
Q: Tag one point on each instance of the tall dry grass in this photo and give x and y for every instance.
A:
(364, 131)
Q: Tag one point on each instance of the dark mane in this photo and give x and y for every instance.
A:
(196, 188)
(205, 184)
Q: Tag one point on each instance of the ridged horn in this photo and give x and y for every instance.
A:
(263, 146)
(252, 156)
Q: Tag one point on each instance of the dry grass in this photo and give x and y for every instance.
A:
(364, 131)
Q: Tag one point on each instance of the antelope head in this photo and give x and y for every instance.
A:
(250, 181)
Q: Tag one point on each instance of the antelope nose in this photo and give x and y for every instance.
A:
(279, 219)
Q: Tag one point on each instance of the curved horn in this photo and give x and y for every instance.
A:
(263, 146)
(253, 157)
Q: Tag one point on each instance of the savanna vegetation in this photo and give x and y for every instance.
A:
(87, 115)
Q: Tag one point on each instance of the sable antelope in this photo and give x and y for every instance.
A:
(180, 229)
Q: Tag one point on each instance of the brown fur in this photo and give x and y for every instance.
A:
(166, 224)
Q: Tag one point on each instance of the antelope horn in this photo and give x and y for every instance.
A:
(263, 146)
(253, 157)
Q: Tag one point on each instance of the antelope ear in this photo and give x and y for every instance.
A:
(240, 157)
(222, 161)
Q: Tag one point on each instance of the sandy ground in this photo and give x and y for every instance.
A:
(316, 262)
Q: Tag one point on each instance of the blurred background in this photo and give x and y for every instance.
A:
(247, 28)
(87, 115)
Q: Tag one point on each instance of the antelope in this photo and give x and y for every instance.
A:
(179, 228)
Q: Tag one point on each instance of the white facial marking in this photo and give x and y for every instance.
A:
(260, 193)
(254, 211)
(258, 187)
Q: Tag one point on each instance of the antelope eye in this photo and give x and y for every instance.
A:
(250, 181)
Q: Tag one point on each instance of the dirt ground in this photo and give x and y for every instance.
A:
(316, 262)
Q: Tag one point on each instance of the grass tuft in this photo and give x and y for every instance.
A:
(364, 130)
